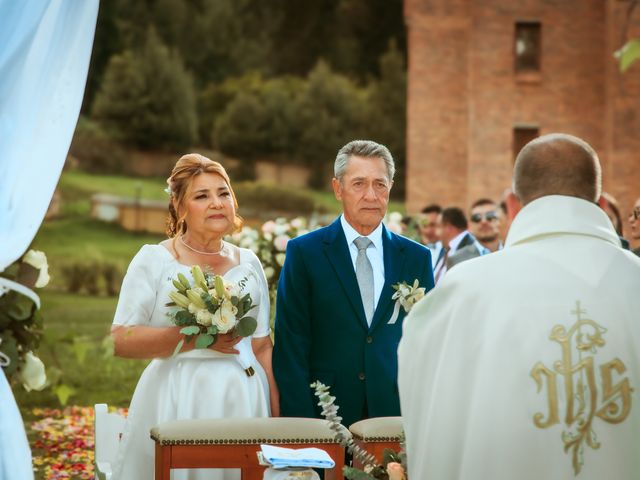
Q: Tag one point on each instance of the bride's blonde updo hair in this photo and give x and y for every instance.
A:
(179, 184)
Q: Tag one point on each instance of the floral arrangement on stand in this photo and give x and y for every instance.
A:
(270, 243)
(20, 319)
(394, 464)
(212, 306)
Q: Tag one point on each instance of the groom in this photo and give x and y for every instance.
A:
(335, 319)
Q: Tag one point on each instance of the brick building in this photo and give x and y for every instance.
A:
(484, 77)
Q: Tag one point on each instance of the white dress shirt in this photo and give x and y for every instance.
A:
(375, 254)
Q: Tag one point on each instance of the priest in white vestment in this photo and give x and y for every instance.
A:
(525, 364)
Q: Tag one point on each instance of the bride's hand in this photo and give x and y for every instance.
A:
(225, 343)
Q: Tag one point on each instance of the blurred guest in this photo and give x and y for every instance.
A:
(524, 363)
(429, 231)
(485, 226)
(610, 206)
(634, 222)
(454, 235)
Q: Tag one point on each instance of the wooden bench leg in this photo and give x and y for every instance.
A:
(252, 473)
(337, 453)
(163, 462)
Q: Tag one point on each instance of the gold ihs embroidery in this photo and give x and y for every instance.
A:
(580, 344)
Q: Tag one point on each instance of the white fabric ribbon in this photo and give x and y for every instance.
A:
(4, 360)
(245, 357)
(395, 314)
(6, 285)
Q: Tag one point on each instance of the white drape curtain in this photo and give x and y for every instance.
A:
(45, 47)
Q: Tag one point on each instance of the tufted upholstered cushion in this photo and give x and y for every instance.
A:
(381, 429)
(243, 431)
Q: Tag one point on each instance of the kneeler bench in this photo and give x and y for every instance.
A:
(377, 434)
(234, 442)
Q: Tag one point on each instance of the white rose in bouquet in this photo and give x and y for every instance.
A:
(225, 317)
(32, 373)
(203, 317)
(38, 260)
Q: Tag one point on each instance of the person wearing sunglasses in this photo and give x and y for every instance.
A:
(634, 222)
(484, 225)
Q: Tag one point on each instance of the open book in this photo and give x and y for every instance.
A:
(278, 457)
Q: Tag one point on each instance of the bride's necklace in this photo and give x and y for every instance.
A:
(200, 252)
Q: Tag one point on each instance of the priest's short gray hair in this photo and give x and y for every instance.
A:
(363, 148)
(557, 164)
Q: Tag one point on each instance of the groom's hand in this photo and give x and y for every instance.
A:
(225, 343)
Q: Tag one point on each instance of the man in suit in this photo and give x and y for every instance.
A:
(485, 227)
(430, 232)
(335, 317)
(454, 235)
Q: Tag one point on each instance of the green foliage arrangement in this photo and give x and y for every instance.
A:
(394, 464)
(20, 320)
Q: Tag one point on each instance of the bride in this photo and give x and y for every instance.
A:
(207, 383)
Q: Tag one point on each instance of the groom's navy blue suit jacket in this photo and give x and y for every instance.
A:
(321, 332)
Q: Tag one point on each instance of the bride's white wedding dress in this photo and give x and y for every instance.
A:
(194, 384)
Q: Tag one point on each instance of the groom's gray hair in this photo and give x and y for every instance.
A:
(363, 148)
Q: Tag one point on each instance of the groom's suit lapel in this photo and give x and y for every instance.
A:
(337, 252)
(394, 259)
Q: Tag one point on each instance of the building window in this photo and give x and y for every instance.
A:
(527, 46)
(523, 134)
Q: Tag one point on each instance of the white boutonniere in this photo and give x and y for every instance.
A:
(406, 296)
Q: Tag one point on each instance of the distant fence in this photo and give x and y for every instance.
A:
(136, 215)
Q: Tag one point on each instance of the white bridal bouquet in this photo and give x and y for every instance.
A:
(211, 306)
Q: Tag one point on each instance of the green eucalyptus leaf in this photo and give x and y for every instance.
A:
(190, 330)
(178, 347)
(246, 326)
(212, 330)
(184, 318)
(204, 340)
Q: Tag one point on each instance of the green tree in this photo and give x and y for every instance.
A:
(147, 98)
(387, 105)
(260, 121)
(331, 112)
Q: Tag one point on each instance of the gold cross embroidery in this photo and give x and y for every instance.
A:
(580, 386)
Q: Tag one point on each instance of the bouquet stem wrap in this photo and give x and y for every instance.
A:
(246, 357)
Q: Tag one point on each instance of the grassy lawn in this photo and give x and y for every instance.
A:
(75, 349)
